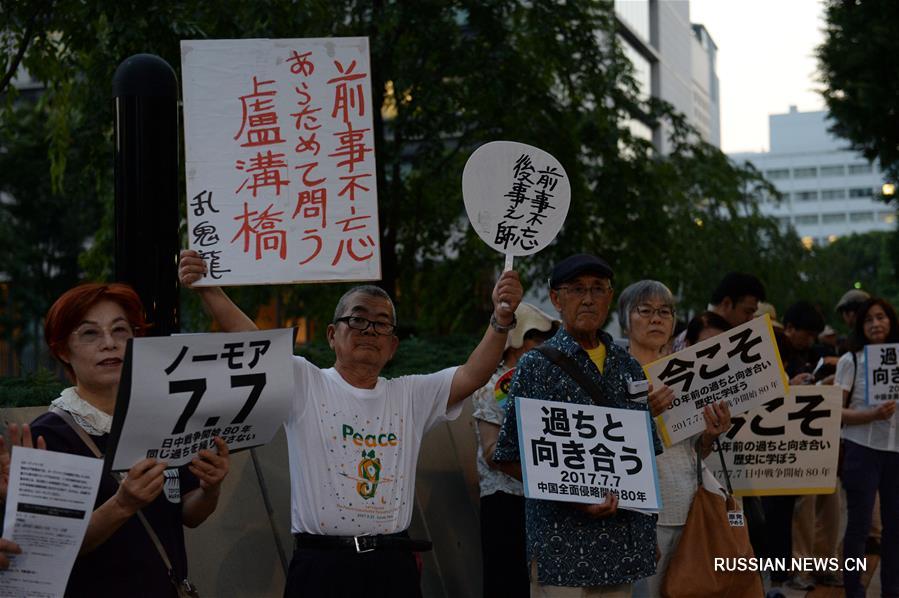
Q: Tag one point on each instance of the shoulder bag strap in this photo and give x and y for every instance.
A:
(848, 398)
(698, 448)
(730, 490)
(84, 436)
(89, 442)
(569, 367)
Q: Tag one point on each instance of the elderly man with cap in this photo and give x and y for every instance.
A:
(353, 439)
(502, 497)
(574, 546)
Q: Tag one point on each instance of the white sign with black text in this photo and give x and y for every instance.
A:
(881, 373)
(49, 503)
(580, 453)
(177, 393)
(789, 445)
(741, 366)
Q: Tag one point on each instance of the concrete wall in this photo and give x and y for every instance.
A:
(235, 553)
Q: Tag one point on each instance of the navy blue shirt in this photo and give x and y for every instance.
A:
(127, 563)
(571, 548)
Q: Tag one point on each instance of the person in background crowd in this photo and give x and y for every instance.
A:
(576, 547)
(87, 329)
(871, 451)
(736, 299)
(767, 308)
(334, 479)
(802, 325)
(848, 305)
(827, 340)
(503, 551)
(816, 532)
(646, 312)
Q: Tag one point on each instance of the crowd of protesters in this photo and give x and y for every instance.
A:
(529, 546)
(570, 546)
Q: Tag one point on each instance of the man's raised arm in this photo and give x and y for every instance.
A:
(482, 362)
(191, 268)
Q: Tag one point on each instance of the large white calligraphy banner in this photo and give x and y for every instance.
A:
(788, 445)
(881, 373)
(580, 453)
(741, 366)
(178, 392)
(280, 160)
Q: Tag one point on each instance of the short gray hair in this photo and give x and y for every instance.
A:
(641, 292)
(364, 289)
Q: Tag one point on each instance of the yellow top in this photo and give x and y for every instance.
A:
(598, 356)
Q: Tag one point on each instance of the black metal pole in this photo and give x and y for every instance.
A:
(145, 89)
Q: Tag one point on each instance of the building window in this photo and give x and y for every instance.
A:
(861, 192)
(859, 168)
(861, 217)
(806, 195)
(833, 193)
(888, 217)
(639, 129)
(642, 69)
(805, 173)
(832, 170)
(833, 218)
(777, 173)
(636, 14)
(806, 219)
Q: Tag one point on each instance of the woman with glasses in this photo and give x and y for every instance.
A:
(87, 330)
(646, 315)
(870, 451)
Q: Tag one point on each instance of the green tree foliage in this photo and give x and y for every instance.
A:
(451, 75)
(864, 259)
(42, 229)
(859, 67)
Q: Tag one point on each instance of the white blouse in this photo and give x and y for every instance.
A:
(879, 434)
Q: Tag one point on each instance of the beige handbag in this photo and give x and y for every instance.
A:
(710, 534)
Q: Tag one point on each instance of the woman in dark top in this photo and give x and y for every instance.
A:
(87, 330)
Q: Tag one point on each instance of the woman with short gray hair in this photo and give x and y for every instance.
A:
(646, 312)
(640, 293)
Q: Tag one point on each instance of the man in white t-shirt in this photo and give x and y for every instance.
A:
(353, 439)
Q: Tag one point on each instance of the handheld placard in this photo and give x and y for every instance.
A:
(516, 197)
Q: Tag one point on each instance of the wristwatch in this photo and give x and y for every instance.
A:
(499, 327)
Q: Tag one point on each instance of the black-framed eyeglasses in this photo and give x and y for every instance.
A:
(360, 323)
(647, 311)
(580, 291)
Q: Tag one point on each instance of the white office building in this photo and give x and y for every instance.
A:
(828, 190)
(673, 60)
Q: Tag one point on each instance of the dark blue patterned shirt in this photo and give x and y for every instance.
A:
(572, 549)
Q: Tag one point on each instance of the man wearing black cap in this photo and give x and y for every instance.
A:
(573, 545)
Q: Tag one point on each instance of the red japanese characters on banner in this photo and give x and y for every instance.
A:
(280, 159)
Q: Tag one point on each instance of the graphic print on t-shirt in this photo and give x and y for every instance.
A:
(172, 486)
(501, 390)
(353, 451)
(367, 474)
